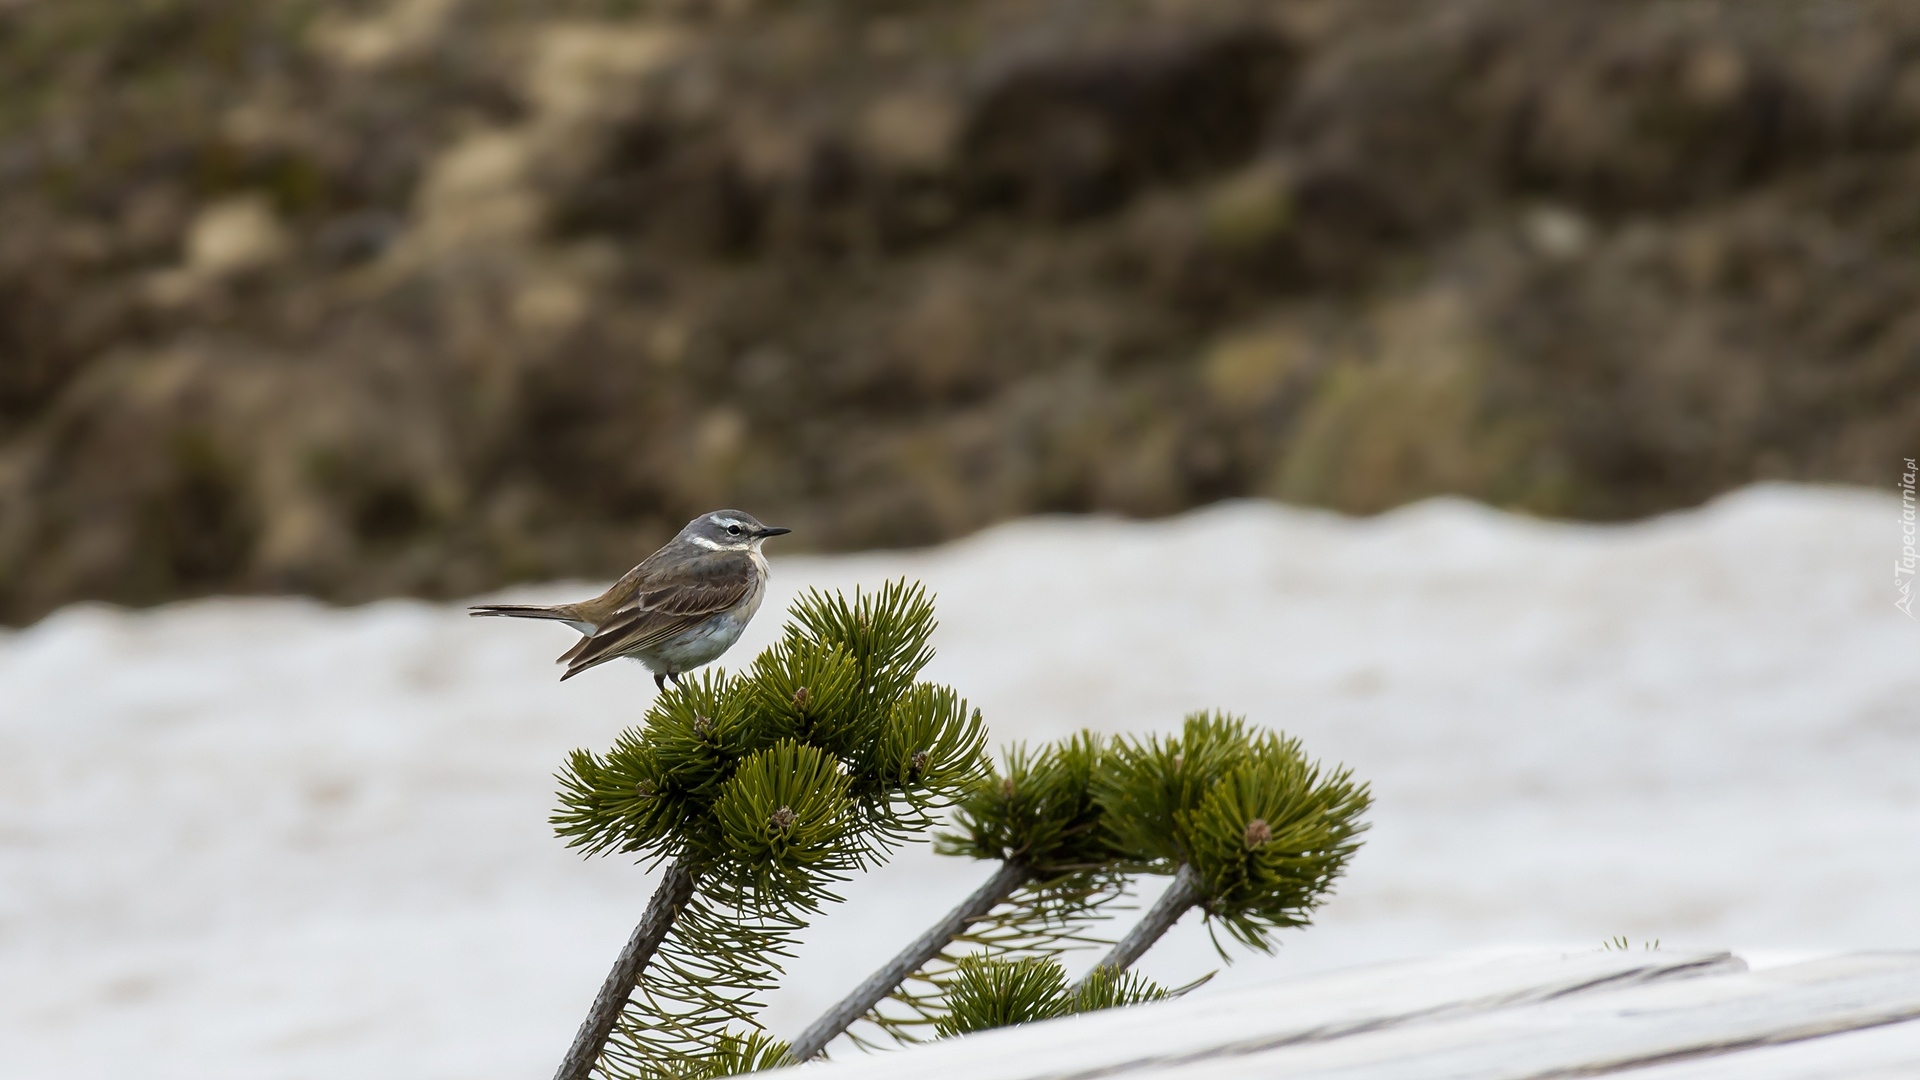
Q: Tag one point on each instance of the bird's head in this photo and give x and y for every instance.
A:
(728, 530)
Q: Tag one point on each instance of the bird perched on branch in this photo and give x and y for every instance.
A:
(680, 608)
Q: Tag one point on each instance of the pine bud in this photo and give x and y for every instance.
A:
(783, 818)
(644, 789)
(1178, 761)
(702, 726)
(801, 697)
(919, 762)
(1258, 833)
(1006, 788)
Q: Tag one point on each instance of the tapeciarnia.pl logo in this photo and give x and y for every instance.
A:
(1903, 567)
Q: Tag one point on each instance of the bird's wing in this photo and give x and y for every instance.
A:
(708, 591)
(664, 605)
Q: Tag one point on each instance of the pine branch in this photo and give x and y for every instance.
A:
(766, 788)
(1179, 898)
(1253, 832)
(915, 956)
(672, 894)
(1040, 921)
(1040, 821)
(706, 984)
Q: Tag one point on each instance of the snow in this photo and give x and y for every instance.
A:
(266, 839)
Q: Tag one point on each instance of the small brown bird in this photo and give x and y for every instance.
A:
(680, 608)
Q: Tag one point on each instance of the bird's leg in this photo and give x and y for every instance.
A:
(659, 681)
(676, 678)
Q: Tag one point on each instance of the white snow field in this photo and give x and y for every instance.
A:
(264, 838)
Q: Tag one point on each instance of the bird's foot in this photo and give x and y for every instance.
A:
(676, 678)
(659, 681)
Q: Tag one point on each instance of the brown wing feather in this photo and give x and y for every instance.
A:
(573, 651)
(666, 605)
(697, 598)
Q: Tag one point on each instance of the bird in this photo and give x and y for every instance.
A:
(682, 607)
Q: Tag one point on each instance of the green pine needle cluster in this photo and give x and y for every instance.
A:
(1266, 830)
(1105, 988)
(986, 992)
(752, 1052)
(768, 786)
(733, 1054)
(1040, 810)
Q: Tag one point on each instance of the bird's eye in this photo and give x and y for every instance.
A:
(734, 529)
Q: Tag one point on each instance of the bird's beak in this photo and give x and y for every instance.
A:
(769, 530)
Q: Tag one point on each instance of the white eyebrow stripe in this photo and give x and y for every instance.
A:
(710, 545)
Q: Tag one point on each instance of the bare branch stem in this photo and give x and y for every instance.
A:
(675, 889)
(1010, 876)
(1181, 895)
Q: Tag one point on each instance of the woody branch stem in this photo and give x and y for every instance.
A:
(676, 888)
(1181, 895)
(1010, 876)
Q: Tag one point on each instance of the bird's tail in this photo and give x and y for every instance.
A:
(562, 613)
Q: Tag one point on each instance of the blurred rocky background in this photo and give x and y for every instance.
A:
(426, 296)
